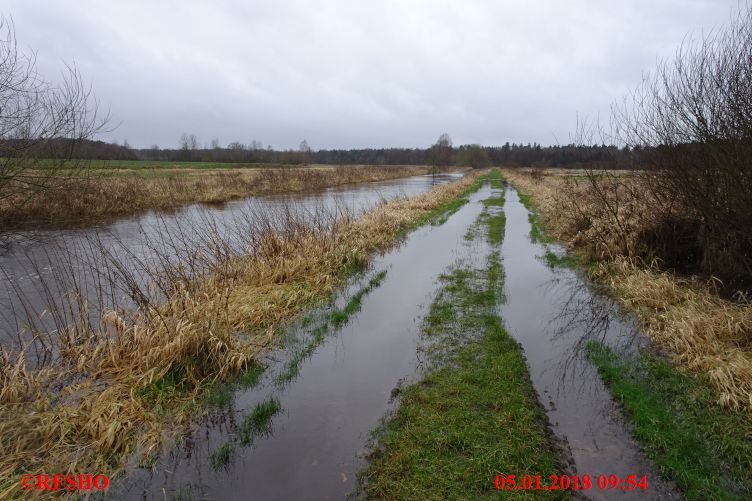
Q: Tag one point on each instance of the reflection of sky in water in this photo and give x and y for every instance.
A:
(319, 438)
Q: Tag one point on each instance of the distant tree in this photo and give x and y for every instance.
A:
(215, 144)
(440, 154)
(475, 156)
(188, 146)
(188, 142)
(305, 152)
(237, 151)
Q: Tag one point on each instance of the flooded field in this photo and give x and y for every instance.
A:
(310, 427)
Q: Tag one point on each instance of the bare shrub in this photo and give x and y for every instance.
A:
(690, 125)
(536, 174)
(39, 121)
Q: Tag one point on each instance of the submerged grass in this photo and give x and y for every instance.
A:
(537, 232)
(474, 414)
(220, 394)
(705, 449)
(554, 260)
(222, 457)
(335, 318)
(259, 421)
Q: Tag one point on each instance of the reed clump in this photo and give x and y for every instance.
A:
(695, 319)
(123, 380)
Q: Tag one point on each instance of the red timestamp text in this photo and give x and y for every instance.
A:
(570, 482)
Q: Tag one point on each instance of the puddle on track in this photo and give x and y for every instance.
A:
(319, 437)
(553, 313)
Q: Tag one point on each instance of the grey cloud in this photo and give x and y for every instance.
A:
(356, 73)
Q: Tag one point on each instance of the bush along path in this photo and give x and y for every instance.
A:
(475, 413)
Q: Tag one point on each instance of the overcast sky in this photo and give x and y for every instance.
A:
(351, 73)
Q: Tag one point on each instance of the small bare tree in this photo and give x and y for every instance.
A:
(440, 154)
(306, 153)
(42, 125)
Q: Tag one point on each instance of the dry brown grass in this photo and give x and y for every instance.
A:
(703, 332)
(88, 412)
(111, 194)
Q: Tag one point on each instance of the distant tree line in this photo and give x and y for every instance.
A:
(441, 154)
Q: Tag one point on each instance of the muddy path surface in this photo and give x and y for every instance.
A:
(309, 427)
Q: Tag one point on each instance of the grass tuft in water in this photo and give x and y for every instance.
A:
(220, 395)
(554, 260)
(537, 232)
(221, 457)
(339, 317)
(259, 421)
(706, 450)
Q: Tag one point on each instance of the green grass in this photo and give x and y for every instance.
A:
(340, 316)
(553, 260)
(495, 225)
(537, 232)
(259, 421)
(475, 412)
(492, 217)
(221, 457)
(221, 394)
(441, 214)
(336, 319)
(706, 450)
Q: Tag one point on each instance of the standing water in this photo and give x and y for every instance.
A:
(553, 313)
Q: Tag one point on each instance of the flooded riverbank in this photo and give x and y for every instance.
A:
(37, 266)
